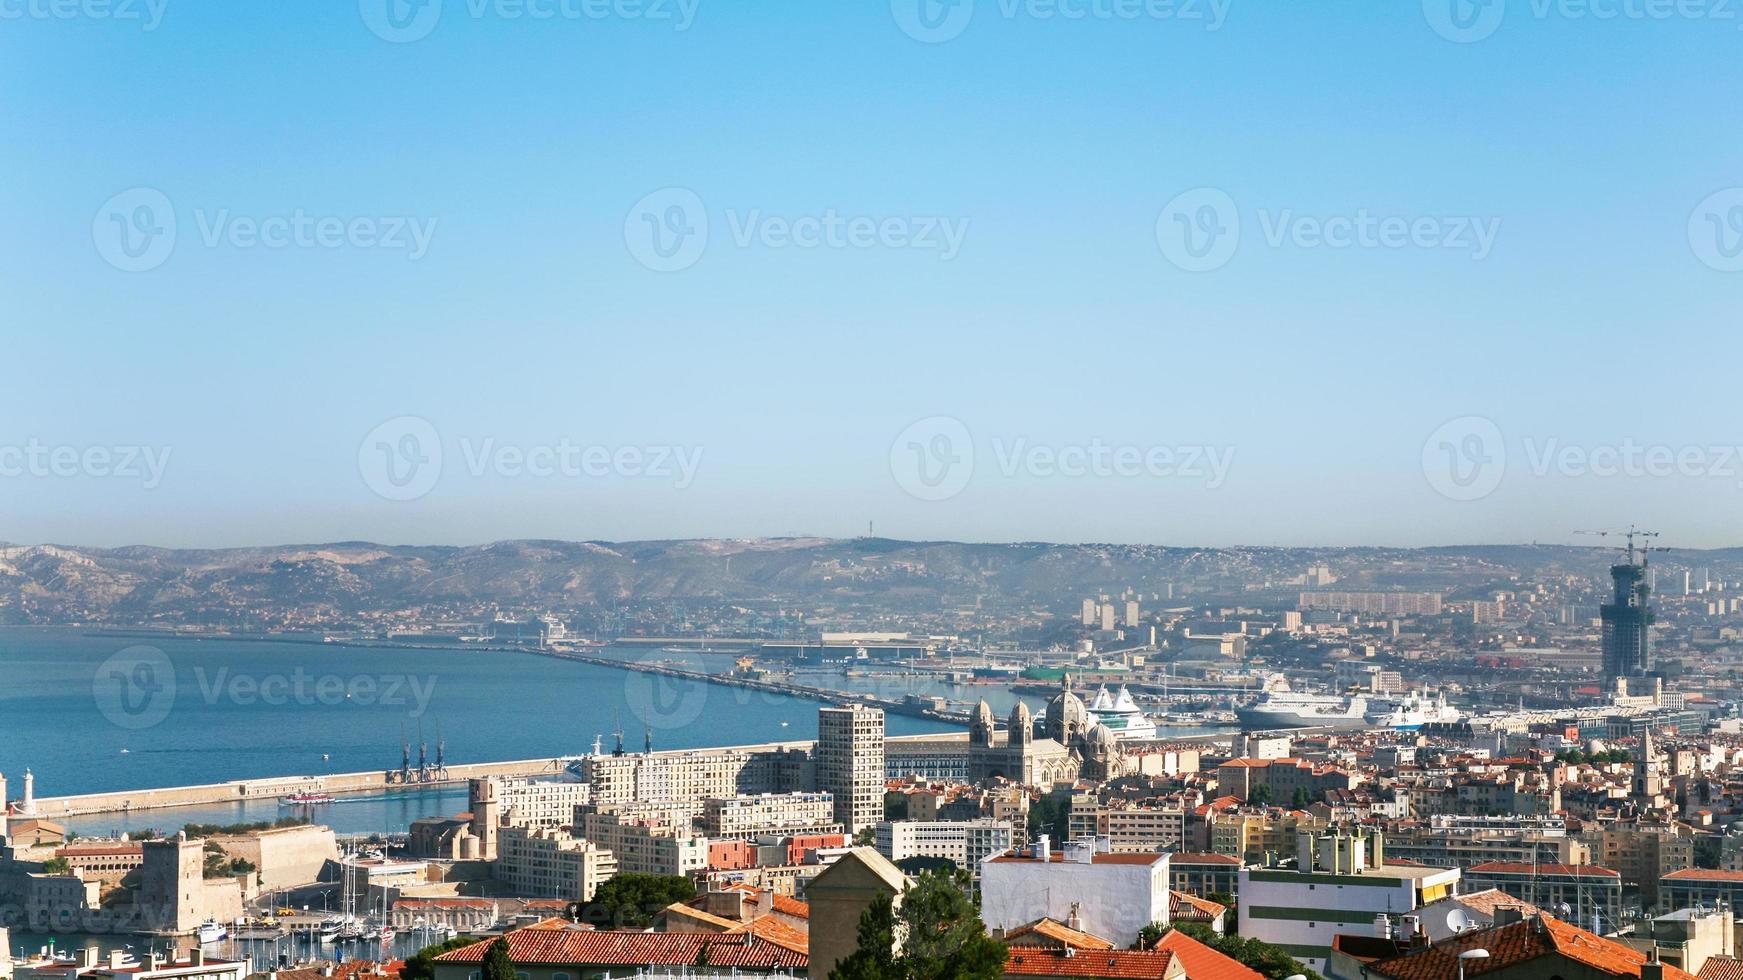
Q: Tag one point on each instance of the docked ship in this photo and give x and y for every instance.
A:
(1286, 709)
(1414, 710)
(1120, 714)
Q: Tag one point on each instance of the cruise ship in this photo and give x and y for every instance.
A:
(1121, 714)
(1286, 709)
(1414, 710)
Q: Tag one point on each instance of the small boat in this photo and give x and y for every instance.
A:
(329, 930)
(305, 799)
(387, 934)
(212, 931)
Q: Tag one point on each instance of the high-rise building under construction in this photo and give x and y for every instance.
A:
(1628, 620)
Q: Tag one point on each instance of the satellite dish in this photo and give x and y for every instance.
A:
(1457, 921)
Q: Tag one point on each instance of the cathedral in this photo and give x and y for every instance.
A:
(1072, 745)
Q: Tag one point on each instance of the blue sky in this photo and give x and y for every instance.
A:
(929, 384)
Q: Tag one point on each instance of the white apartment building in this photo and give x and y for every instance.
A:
(694, 775)
(850, 763)
(644, 848)
(966, 843)
(549, 862)
(784, 814)
(1341, 891)
(1113, 895)
(531, 802)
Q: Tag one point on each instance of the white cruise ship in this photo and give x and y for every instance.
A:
(1286, 709)
(1414, 710)
(1121, 714)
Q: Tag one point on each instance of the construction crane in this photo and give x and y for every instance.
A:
(1631, 533)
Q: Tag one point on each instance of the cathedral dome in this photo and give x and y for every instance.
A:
(1022, 723)
(1066, 714)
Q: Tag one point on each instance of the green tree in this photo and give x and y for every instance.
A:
(941, 936)
(630, 901)
(497, 965)
(873, 957)
(1150, 935)
(56, 866)
(919, 864)
(422, 966)
(1261, 795)
(1274, 962)
(866, 837)
(1302, 798)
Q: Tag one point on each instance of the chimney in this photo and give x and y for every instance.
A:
(196, 956)
(1074, 920)
(1506, 915)
(1652, 969)
(1043, 848)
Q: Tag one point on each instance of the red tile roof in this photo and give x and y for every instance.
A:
(1517, 943)
(578, 947)
(1027, 961)
(1202, 962)
(1721, 968)
(1526, 867)
(1059, 933)
(1703, 874)
(1192, 908)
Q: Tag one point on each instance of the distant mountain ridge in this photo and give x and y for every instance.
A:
(141, 584)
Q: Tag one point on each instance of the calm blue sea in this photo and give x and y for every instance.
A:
(98, 713)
